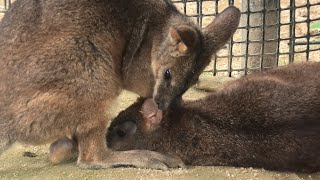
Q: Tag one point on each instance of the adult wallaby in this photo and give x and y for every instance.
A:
(269, 120)
(63, 63)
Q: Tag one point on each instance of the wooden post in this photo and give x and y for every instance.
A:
(4, 5)
(2, 8)
(2, 2)
(260, 50)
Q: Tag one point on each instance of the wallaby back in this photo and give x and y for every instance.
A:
(268, 120)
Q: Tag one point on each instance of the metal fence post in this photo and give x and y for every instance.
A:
(260, 34)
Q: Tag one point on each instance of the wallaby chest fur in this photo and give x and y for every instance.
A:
(63, 63)
(41, 35)
(269, 120)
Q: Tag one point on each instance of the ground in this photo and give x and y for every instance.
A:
(16, 166)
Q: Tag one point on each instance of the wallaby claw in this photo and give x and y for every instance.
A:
(179, 162)
(135, 158)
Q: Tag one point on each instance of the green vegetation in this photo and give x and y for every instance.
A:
(316, 26)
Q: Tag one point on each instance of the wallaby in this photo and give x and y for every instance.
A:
(63, 63)
(267, 120)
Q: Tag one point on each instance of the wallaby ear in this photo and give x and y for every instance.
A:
(151, 114)
(220, 30)
(183, 37)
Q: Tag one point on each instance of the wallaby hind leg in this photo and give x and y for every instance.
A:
(93, 152)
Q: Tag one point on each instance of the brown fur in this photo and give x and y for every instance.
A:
(269, 120)
(63, 63)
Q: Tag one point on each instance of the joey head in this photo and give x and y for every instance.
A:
(63, 63)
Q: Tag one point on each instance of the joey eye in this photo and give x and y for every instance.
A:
(120, 133)
(167, 75)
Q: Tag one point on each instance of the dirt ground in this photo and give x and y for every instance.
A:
(16, 166)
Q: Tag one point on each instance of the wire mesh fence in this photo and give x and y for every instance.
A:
(271, 32)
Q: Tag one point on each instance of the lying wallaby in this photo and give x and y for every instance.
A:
(269, 120)
(63, 63)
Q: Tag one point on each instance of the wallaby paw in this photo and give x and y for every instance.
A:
(88, 165)
(62, 150)
(153, 164)
(153, 160)
(135, 158)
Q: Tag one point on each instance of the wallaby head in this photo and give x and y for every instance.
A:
(185, 52)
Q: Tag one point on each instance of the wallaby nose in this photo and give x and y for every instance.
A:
(163, 105)
(159, 103)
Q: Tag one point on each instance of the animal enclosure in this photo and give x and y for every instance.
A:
(271, 32)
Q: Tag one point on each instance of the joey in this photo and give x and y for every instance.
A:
(266, 120)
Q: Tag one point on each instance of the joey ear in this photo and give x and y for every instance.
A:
(151, 114)
(183, 37)
(220, 30)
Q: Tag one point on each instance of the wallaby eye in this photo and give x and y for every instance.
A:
(167, 75)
